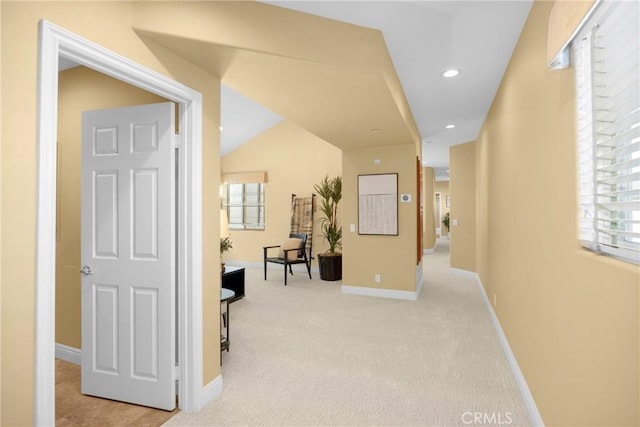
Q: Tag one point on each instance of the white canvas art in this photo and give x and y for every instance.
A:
(378, 204)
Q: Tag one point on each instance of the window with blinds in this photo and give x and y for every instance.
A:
(606, 57)
(244, 204)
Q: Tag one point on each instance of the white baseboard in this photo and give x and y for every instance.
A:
(211, 391)
(246, 264)
(381, 293)
(432, 250)
(532, 409)
(69, 354)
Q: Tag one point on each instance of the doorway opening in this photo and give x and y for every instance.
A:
(56, 43)
(101, 100)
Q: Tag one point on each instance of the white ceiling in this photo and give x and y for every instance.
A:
(241, 119)
(424, 38)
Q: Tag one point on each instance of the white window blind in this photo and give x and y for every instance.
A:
(244, 204)
(606, 58)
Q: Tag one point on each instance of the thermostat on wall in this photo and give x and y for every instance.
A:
(406, 198)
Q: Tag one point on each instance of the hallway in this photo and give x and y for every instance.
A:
(307, 354)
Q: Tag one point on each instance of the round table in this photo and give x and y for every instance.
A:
(225, 296)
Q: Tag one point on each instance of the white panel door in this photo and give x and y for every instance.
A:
(128, 236)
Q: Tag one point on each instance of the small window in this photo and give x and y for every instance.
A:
(245, 205)
(606, 55)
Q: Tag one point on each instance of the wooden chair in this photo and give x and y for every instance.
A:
(289, 254)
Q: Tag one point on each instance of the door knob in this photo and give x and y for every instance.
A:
(86, 270)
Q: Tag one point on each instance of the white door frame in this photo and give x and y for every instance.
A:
(54, 42)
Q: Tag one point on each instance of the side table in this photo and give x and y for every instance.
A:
(225, 296)
(233, 279)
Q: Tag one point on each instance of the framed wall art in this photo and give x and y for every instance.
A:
(378, 204)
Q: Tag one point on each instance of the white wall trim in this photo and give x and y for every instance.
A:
(69, 354)
(381, 293)
(532, 409)
(431, 250)
(211, 391)
(54, 41)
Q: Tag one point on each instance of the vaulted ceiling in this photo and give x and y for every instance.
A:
(355, 73)
(425, 38)
(334, 79)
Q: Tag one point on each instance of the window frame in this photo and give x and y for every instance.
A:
(608, 171)
(244, 205)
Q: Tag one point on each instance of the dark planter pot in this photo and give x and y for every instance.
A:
(330, 267)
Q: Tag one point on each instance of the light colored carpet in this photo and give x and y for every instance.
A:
(308, 355)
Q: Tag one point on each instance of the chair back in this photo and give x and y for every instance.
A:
(303, 243)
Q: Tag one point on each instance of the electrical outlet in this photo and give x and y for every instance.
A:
(377, 278)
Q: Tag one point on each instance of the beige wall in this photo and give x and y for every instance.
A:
(428, 217)
(296, 64)
(564, 18)
(1, 222)
(393, 257)
(482, 208)
(571, 317)
(79, 89)
(462, 187)
(442, 187)
(19, 84)
(294, 160)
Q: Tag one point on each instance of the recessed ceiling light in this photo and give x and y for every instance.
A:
(221, 128)
(450, 73)
(451, 126)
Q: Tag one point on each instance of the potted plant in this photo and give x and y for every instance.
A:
(225, 245)
(445, 221)
(330, 262)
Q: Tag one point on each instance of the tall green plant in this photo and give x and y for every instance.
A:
(445, 220)
(330, 192)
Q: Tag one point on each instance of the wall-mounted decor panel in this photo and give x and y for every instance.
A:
(378, 204)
